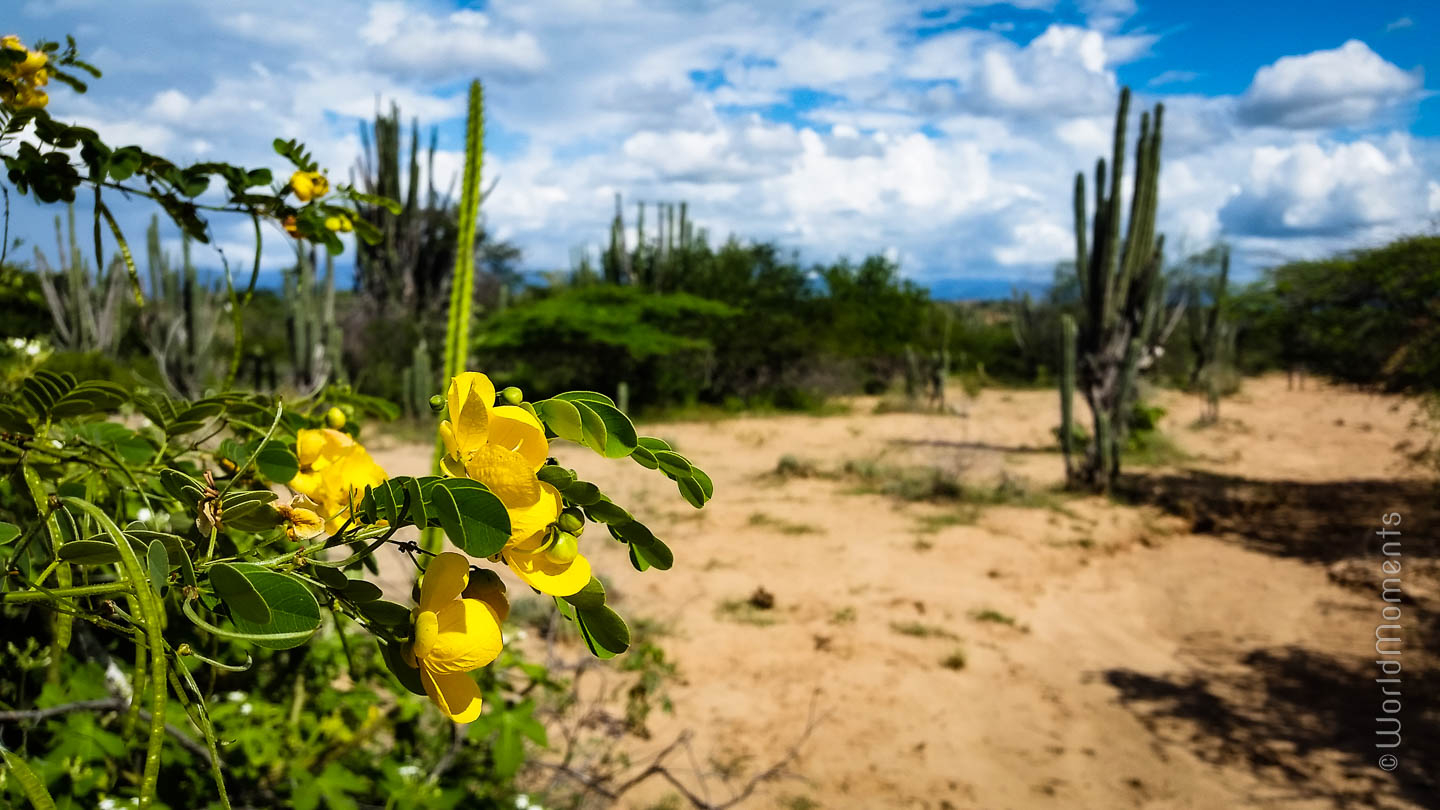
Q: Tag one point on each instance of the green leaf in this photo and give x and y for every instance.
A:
(606, 511)
(182, 487)
(644, 458)
(652, 444)
(582, 492)
(640, 563)
(508, 751)
(657, 554)
(672, 464)
(8, 532)
(556, 476)
(157, 563)
(88, 552)
(591, 596)
(331, 577)
(277, 463)
(585, 396)
(408, 676)
(691, 491)
(561, 417)
(239, 594)
(359, 590)
(14, 420)
(592, 427)
(293, 608)
(706, 485)
(30, 784)
(603, 630)
(472, 517)
(386, 614)
(620, 439)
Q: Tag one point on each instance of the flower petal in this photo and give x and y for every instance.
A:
(506, 473)
(462, 385)
(444, 579)
(447, 436)
(515, 428)
(555, 579)
(455, 693)
(468, 638)
(528, 524)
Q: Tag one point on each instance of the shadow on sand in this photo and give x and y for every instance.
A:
(1291, 714)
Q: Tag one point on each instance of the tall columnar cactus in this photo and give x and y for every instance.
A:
(1123, 320)
(179, 321)
(1211, 335)
(462, 281)
(418, 382)
(311, 330)
(89, 313)
(617, 257)
(1067, 393)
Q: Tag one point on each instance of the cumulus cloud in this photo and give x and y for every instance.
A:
(1312, 188)
(834, 128)
(1347, 86)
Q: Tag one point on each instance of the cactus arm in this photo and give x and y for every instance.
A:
(1067, 393)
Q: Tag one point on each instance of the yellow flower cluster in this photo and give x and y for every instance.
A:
(503, 447)
(334, 471)
(20, 82)
(309, 185)
(457, 630)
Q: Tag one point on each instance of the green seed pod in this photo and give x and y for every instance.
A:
(572, 520)
(564, 550)
(437, 402)
(512, 395)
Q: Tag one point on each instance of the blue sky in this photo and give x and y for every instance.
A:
(946, 136)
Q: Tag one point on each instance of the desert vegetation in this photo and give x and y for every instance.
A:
(689, 523)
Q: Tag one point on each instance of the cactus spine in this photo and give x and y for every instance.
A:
(1123, 293)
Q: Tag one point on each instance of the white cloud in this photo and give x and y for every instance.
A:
(1399, 24)
(1348, 86)
(957, 150)
(1313, 188)
(461, 44)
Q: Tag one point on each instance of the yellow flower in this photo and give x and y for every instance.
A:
(334, 471)
(302, 518)
(34, 60)
(30, 97)
(453, 635)
(309, 185)
(503, 447)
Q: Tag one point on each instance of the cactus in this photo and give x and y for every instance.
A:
(89, 314)
(418, 382)
(179, 321)
(462, 281)
(1067, 393)
(311, 331)
(617, 258)
(1212, 337)
(1123, 295)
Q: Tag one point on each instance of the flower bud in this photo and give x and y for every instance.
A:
(564, 550)
(512, 395)
(437, 402)
(571, 520)
(486, 586)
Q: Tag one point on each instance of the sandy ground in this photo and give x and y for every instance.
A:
(1204, 641)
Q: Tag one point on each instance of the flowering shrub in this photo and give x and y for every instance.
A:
(142, 534)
